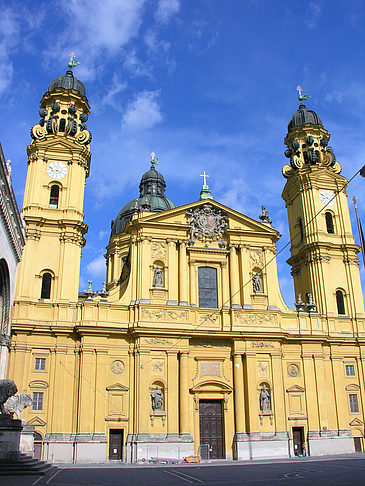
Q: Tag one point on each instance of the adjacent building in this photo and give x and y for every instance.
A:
(189, 349)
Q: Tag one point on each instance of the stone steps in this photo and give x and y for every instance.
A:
(25, 466)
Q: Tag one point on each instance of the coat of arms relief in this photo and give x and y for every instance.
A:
(208, 223)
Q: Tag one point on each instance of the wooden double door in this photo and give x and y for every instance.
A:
(211, 429)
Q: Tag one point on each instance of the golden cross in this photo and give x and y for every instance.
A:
(153, 155)
(72, 55)
(300, 89)
(205, 177)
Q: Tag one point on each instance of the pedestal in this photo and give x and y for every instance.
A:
(27, 439)
(9, 438)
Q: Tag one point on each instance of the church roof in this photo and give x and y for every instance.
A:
(67, 81)
(151, 199)
(303, 116)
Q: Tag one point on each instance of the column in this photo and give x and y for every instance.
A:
(311, 393)
(146, 273)
(278, 394)
(184, 393)
(173, 393)
(225, 287)
(340, 395)
(251, 392)
(234, 278)
(142, 391)
(239, 394)
(193, 294)
(183, 284)
(172, 273)
(246, 281)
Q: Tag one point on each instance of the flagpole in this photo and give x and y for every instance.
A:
(359, 228)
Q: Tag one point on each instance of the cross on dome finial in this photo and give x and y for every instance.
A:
(205, 177)
(300, 96)
(154, 159)
(72, 63)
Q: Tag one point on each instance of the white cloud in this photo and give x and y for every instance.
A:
(166, 9)
(116, 88)
(9, 35)
(313, 15)
(97, 267)
(143, 112)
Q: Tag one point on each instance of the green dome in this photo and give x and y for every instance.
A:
(67, 81)
(151, 198)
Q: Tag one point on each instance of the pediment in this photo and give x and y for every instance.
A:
(236, 221)
(356, 422)
(38, 384)
(352, 387)
(211, 386)
(117, 387)
(295, 388)
(36, 421)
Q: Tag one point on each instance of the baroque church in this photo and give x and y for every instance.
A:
(189, 349)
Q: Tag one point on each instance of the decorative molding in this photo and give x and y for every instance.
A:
(158, 340)
(255, 319)
(261, 344)
(164, 314)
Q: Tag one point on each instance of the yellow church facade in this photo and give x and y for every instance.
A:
(189, 348)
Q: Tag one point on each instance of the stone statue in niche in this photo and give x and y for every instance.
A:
(157, 399)
(256, 283)
(157, 277)
(265, 399)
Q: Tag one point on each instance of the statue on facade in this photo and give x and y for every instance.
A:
(157, 399)
(256, 283)
(7, 389)
(265, 399)
(310, 305)
(157, 277)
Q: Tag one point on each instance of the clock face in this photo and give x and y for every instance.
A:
(57, 170)
(325, 197)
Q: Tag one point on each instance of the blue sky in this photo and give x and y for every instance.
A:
(206, 84)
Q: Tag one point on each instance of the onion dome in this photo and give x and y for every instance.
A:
(303, 116)
(151, 199)
(67, 81)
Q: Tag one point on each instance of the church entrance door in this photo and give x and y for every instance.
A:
(298, 434)
(211, 429)
(116, 444)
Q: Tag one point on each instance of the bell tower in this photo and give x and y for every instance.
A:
(319, 221)
(58, 165)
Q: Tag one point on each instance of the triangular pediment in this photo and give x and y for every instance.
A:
(236, 221)
(117, 387)
(357, 422)
(36, 421)
(295, 388)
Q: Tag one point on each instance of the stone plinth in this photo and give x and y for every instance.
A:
(27, 439)
(9, 438)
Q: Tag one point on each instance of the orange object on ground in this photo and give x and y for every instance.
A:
(191, 459)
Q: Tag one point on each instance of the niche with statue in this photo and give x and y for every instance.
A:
(158, 404)
(158, 290)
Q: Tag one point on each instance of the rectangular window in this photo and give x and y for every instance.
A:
(207, 282)
(350, 370)
(354, 405)
(37, 401)
(40, 364)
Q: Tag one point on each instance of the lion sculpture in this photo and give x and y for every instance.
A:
(17, 403)
(7, 389)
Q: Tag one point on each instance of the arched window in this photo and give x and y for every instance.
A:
(54, 196)
(207, 281)
(301, 229)
(62, 125)
(329, 222)
(46, 286)
(340, 302)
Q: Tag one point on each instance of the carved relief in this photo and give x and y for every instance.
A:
(256, 257)
(210, 318)
(211, 344)
(293, 370)
(117, 367)
(158, 251)
(255, 319)
(211, 368)
(261, 344)
(167, 315)
(158, 366)
(263, 369)
(158, 340)
(207, 223)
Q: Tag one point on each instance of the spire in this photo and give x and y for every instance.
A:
(205, 192)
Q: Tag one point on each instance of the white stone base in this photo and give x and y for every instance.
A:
(27, 440)
(324, 446)
(157, 447)
(79, 448)
(261, 446)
